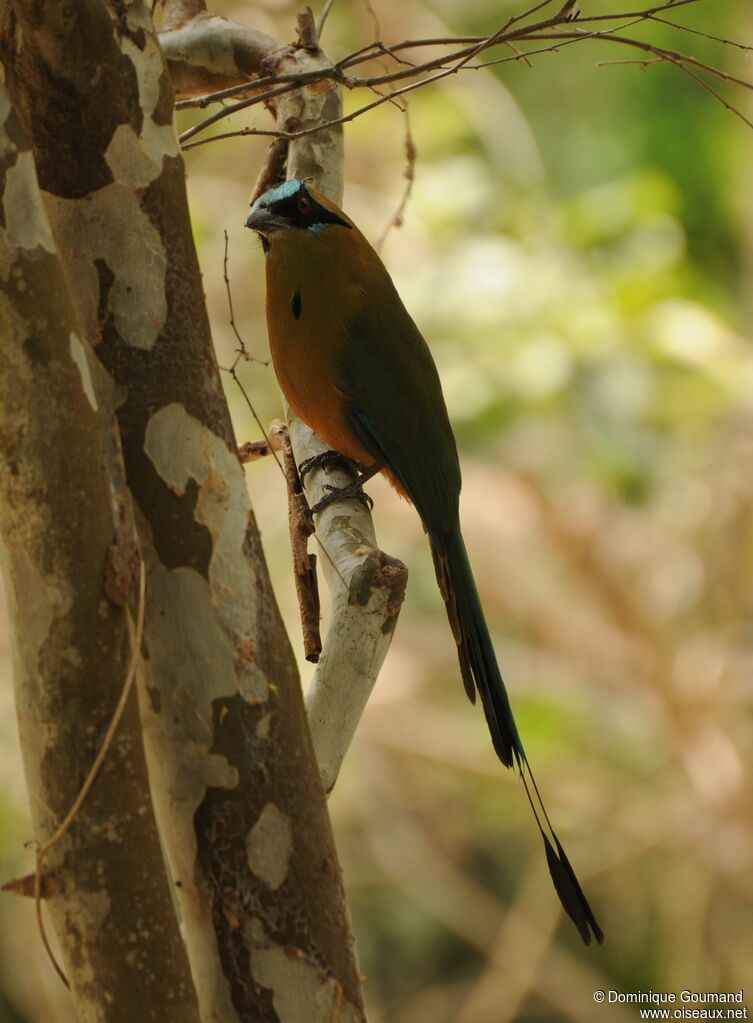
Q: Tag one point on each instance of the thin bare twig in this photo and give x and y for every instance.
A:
(636, 62)
(716, 94)
(323, 17)
(364, 53)
(387, 51)
(396, 220)
(232, 371)
(704, 35)
(374, 19)
(553, 28)
(345, 119)
(335, 72)
(290, 83)
(647, 12)
(670, 56)
(378, 48)
(257, 84)
(241, 352)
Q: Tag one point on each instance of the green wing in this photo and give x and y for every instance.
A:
(394, 403)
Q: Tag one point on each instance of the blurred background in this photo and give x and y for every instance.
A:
(578, 251)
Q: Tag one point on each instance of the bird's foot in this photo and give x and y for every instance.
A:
(352, 490)
(320, 461)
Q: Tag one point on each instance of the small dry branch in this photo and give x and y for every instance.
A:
(26, 886)
(304, 564)
(272, 171)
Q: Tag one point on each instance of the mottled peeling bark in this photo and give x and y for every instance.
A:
(235, 784)
(70, 563)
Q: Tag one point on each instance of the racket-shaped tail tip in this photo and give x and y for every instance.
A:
(570, 893)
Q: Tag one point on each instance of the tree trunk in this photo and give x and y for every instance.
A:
(70, 561)
(236, 788)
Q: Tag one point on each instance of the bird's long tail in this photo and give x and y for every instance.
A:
(478, 666)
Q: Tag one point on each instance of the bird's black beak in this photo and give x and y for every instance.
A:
(264, 221)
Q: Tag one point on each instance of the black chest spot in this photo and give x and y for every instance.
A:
(295, 304)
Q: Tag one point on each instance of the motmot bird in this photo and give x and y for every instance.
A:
(354, 366)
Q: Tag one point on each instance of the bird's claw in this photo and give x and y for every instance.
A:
(351, 491)
(324, 458)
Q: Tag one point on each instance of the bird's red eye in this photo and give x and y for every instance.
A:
(304, 204)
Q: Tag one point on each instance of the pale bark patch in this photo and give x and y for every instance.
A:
(196, 667)
(159, 140)
(29, 585)
(263, 727)
(103, 226)
(26, 226)
(146, 60)
(300, 989)
(89, 910)
(137, 160)
(25, 585)
(269, 845)
(78, 354)
(202, 669)
(181, 449)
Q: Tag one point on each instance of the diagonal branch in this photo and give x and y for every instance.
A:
(207, 53)
(179, 12)
(367, 588)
